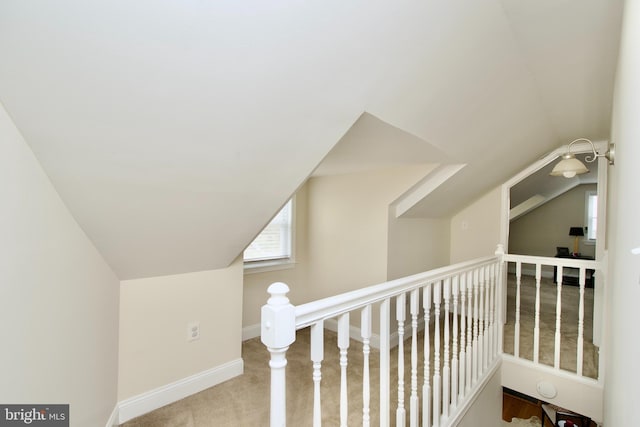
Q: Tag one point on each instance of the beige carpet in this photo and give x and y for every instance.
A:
(568, 328)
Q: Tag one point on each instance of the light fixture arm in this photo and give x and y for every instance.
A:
(609, 155)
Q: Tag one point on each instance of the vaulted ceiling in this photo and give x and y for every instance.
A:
(174, 130)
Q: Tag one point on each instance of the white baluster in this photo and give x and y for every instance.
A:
(516, 332)
(469, 368)
(278, 332)
(556, 353)
(446, 369)
(579, 357)
(343, 344)
(317, 356)
(536, 328)
(492, 314)
(500, 303)
(426, 387)
(463, 329)
(454, 355)
(385, 382)
(413, 401)
(476, 298)
(400, 317)
(485, 342)
(436, 354)
(497, 301)
(481, 321)
(365, 328)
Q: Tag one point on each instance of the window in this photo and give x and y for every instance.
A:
(274, 245)
(591, 216)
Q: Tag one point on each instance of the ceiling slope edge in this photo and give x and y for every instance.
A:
(424, 187)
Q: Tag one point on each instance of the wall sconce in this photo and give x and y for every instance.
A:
(569, 166)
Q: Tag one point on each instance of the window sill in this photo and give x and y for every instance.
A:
(265, 266)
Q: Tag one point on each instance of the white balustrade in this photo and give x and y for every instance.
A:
(365, 328)
(385, 361)
(458, 302)
(536, 327)
(317, 356)
(579, 356)
(469, 361)
(516, 332)
(414, 310)
(426, 387)
(446, 369)
(454, 359)
(400, 317)
(436, 354)
(343, 345)
(562, 266)
(463, 349)
(556, 353)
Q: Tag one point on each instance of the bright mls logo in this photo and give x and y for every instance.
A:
(34, 415)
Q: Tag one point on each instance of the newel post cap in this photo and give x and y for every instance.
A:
(500, 250)
(278, 325)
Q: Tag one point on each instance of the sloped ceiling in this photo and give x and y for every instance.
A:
(373, 144)
(174, 130)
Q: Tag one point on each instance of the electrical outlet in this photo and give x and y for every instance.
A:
(193, 331)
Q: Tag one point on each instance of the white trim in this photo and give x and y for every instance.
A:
(113, 419)
(424, 187)
(253, 267)
(250, 331)
(161, 396)
(523, 376)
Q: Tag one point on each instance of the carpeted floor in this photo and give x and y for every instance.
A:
(568, 328)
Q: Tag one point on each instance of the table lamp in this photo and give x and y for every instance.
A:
(576, 232)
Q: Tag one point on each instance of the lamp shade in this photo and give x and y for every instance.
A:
(576, 231)
(569, 167)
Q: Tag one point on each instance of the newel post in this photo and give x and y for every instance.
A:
(278, 332)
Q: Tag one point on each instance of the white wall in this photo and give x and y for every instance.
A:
(416, 245)
(475, 230)
(486, 411)
(348, 228)
(59, 304)
(154, 313)
(622, 393)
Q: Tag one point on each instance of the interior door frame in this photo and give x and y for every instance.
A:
(601, 233)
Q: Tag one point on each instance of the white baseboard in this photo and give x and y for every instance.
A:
(113, 419)
(161, 396)
(251, 331)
